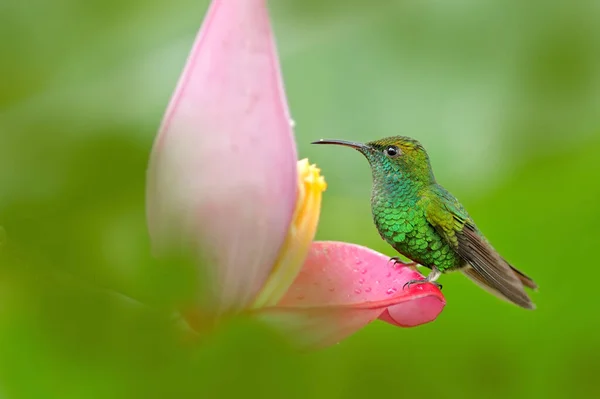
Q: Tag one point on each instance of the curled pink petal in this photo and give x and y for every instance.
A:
(343, 287)
(222, 176)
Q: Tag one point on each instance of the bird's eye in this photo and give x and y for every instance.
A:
(392, 151)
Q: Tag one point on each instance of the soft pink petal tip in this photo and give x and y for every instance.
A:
(343, 287)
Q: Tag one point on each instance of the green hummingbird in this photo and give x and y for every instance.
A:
(425, 223)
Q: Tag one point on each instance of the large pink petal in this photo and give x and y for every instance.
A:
(343, 287)
(222, 176)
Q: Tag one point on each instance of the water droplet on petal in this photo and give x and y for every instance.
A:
(361, 281)
(368, 289)
(391, 291)
(357, 291)
(389, 274)
(363, 271)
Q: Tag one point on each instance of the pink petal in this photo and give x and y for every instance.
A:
(222, 176)
(343, 287)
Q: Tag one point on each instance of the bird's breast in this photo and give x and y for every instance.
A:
(403, 224)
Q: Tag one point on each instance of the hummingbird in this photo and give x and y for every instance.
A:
(423, 222)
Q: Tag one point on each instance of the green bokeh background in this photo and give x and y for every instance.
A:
(505, 96)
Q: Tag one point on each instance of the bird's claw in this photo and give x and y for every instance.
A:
(396, 260)
(424, 281)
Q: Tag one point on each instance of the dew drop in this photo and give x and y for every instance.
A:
(363, 271)
(368, 289)
(358, 262)
(331, 289)
(389, 274)
(391, 291)
(357, 291)
(361, 281)
(376, 281)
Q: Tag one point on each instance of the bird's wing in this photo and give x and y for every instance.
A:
(452, 222)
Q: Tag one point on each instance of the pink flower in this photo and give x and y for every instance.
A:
(225, 183)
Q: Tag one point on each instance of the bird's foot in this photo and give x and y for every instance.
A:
(435, 273)
(424, 281)
(396, 260)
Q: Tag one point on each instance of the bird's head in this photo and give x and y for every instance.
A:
(390, 157)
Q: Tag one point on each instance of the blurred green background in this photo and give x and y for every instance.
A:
(505, 96)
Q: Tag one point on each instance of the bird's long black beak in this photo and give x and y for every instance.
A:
(353, 144)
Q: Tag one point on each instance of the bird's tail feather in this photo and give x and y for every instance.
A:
(481, 282)
(525, 279)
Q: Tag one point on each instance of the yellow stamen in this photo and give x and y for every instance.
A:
(300, 235)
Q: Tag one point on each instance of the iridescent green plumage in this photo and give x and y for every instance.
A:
(427, 224)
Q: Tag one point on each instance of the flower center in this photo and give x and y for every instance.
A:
(299, 237)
